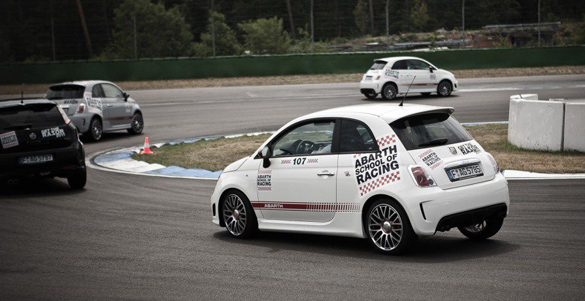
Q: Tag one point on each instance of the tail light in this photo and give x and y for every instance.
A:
(421, 178)
(80, 108)
(494, 163)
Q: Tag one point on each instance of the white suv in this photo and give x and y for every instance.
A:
(394, 75)
(384, 172)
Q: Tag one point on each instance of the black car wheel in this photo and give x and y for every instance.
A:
(483, 230)
(389, 91)
(444, 88)
(96, 129)
(78, 179)
(137, 124)
(371, 95)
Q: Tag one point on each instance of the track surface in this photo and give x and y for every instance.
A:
(135, 237)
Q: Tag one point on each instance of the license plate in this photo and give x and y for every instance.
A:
(369, 77)
(470, 171)
(36, 159)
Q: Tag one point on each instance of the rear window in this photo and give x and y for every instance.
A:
(35, 116)
(424, 131)
(65, 92)
(378, 65)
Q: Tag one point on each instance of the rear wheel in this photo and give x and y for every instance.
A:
(388, 227)
(371, 94)
(238, 215)
(137, 124)
(483, 230)
(96, 129)
(389, 91)
(78, 179)
(445, 88)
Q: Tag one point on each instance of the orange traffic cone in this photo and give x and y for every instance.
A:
(146, 149)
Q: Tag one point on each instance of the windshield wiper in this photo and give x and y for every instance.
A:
(440, 141)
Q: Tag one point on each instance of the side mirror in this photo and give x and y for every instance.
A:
(431, 69)
(266, 153)
(126, 95)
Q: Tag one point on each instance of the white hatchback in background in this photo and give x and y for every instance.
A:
(384, 172)
(394, 75)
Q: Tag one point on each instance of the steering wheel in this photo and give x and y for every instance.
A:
(305, 147)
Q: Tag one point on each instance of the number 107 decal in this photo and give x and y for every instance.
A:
(299, 161)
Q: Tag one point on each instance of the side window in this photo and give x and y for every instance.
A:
(400, 65)
(97, 91)
(356, 137)
(417, 65)
(111, 91)
(307, 139)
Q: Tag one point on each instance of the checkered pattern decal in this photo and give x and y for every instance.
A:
(285, 161)
(367, 187)
(312, 161)
(384, 141)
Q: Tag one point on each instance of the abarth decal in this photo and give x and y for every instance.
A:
(431, 159)
(309, 207)
(9, 139)
(376, 169)
(264, 180)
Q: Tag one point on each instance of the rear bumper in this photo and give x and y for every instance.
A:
(472, 217)
(435, 209)
(370, 85)
(65, 161)
(81, 122)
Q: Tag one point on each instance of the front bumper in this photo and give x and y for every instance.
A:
(428, 207)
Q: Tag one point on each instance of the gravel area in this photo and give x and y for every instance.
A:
(297, 79)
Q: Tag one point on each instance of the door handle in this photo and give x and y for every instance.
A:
(325, 173)
(109, 105)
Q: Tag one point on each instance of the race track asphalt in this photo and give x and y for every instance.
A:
(142, 238)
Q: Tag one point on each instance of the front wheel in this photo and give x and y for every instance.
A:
(137, 124)
(388, 227)
(238, 215)
(444, 88)
(483, 230)
(389, 91)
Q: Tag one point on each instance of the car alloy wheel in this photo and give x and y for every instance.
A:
(96, 130)
(389, 92)
(445, 88)
(235, 215)
(137, 124)
(385, 227)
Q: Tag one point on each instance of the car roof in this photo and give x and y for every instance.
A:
(393, 59)
(16, 102)
(389, 112)
(84, 83)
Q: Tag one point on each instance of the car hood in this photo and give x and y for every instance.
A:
(236, 165)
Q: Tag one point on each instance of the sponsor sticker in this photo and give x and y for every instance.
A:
(53, 132)
(376, 169)
(431, 159)
(9, 139)
(468, 148)
(264, 180)
(392, 73)
(453, 150)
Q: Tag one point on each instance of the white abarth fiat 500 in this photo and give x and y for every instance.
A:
(397, 75)
(384, 172)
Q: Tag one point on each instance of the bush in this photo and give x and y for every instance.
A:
(265, 36)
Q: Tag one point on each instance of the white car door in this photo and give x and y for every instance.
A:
(300, 183)
(116, 110)
(424, 80)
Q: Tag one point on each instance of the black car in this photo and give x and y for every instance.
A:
(38, 140)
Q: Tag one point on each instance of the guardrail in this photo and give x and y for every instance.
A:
(270, 65)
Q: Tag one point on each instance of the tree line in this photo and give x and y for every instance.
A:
(45, 30)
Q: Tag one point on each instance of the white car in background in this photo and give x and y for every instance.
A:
(394, 75)
(384, 172)
(96, 107)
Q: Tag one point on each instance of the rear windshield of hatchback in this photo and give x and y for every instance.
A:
(65, 92)
(378, 65)
(427, 130)
(34, 116)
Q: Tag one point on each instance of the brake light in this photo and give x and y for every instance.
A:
(494, 163)
(421, 178)
(80, 108)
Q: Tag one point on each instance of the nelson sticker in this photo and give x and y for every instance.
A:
(377, 169)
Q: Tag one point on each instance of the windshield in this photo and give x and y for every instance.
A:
(378, 65)
(423, 131)
(65, 92)
(30, 117)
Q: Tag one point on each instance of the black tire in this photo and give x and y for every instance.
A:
(426, 94)
(371, 95)
(386, 218)
(238, 215)
(483, 230)
(96, 129)
(78, 179)
(137, 124)
(444, 88)
(389, 91)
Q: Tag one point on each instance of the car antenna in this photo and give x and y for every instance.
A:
(402, 102)
(22, 95)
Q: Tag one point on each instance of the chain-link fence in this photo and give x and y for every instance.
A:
(56, 30)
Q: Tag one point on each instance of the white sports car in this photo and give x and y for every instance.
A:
(384, 172)
(395, 75)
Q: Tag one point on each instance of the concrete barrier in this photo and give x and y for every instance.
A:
(574, 135)
(553, 125)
